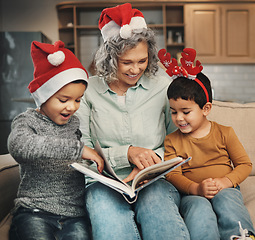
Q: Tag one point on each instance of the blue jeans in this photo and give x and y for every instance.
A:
(33, 224)
(216, 218)
(154, 215)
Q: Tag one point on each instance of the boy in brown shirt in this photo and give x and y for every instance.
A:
(211, 202)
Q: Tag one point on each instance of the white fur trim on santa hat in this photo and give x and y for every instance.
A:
(49, 88)
(138, 23)
(112, 29)
(109, 30)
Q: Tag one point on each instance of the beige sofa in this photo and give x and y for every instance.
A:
(239, 116)
(9, 181)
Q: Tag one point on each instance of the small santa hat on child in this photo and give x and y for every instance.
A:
(54, 67)
(121, 19)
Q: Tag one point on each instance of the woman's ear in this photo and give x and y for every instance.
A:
(207, 108)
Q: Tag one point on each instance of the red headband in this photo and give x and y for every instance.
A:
(186, 70)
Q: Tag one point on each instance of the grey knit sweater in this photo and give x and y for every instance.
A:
(44, 151)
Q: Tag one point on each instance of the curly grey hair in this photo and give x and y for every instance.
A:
(106, 57)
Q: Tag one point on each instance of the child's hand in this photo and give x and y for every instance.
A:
(91, 154)
(222, 183)
(132, 175)
(207, 188)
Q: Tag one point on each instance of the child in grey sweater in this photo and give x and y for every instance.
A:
(44, 141)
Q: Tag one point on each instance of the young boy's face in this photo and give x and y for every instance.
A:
(189, 117)
(64, 103)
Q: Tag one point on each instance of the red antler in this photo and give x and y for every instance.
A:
(186, 70)
(164, 57)
(187, 60)
(171, 66)
(175, 70)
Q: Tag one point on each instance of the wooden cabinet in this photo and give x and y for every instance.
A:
(221, 33)
(78, 25)
(174, 29)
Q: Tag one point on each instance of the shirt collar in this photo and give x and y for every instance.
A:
(142, 82)
(102, 88)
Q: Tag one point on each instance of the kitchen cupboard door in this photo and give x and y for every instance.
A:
(202, 30)
(221, 33)
(238, 32)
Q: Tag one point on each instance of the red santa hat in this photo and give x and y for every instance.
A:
(54, 67)
(121, 19)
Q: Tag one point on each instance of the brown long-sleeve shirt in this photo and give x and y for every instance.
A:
(219, 154)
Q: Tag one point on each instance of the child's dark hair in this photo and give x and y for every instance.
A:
(189, 89)
(80, 81)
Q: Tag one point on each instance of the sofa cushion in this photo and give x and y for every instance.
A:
(248, 189)
(9, 181)
(5, 227)
(241, 118)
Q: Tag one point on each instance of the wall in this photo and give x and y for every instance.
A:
(30, 15)
(230, 82)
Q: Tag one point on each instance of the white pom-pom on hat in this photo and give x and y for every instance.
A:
(125, 31)
(56, 58)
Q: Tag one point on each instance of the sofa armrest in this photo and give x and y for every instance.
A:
(248, 192)
(9, 182)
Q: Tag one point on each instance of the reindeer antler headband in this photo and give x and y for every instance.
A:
(187, 69)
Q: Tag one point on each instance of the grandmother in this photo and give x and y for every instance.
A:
(127, 111)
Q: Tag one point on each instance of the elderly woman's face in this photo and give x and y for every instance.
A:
(132, 64)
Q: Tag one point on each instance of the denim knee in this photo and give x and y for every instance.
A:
(27, 224)
(192, 202)
(36, 224)
(230, 209)
(111, 216)
(157, 212)
(77, 228)
(229, 202)
(160, 190)
(199, 217)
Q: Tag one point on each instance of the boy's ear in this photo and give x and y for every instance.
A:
(207, 108)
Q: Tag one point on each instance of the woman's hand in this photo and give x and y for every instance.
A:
(91, 154)
(142, 157)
